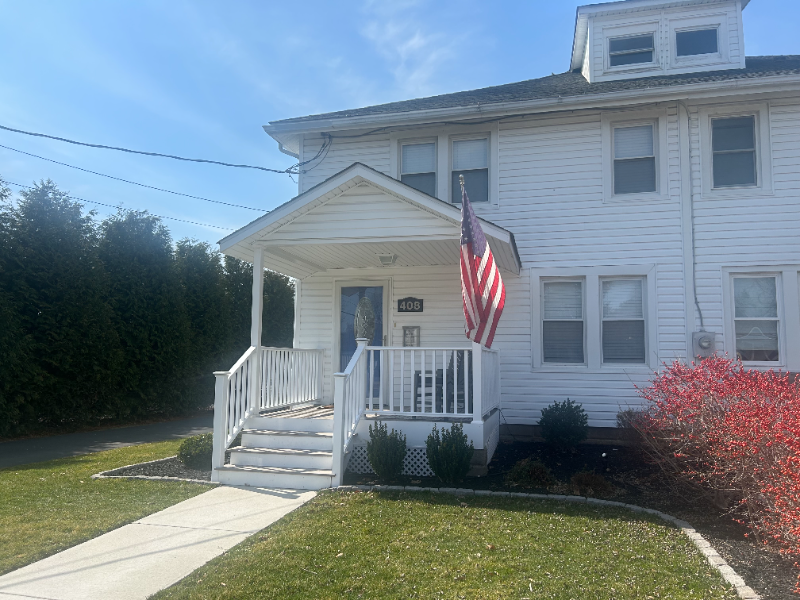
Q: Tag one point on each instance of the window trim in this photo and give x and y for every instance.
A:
(717, 20)
(729, 330)
(657, 118)
(611, 53)
(698, 57)
(614, 159)
(644, 317)
(763, 143)
(592, 318)
(444, 136)
(616, 31)
(545, 280)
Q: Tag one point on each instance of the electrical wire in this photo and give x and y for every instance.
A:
(144, 185)
(126, 208)
(156, 154)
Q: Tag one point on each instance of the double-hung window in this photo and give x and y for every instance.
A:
(733, 145)
(634, 159)
(470, 159)
(755, 318)
(562, 322)
(623, 322)
(418, 167)
(631, 50)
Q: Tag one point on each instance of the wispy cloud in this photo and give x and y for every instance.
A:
(417, 54)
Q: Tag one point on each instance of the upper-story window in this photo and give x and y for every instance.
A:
(733, 145)
(697, 42)
(470, 159)
(631, 50)
(418, 167)
(634, 159)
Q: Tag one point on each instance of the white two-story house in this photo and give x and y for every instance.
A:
(642, 207)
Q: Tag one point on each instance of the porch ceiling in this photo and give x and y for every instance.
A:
(353, 218)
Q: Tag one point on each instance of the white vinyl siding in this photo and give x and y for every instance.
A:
(470, 159)
(634, 159)
(623, 335)
(562, 322)
(418, 167)
(756, 322)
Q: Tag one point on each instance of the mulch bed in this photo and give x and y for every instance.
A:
(635, 482)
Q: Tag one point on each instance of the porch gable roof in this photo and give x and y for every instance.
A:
(352, 218)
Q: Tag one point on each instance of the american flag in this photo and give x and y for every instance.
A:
(481, 285)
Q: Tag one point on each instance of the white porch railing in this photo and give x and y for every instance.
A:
(289, 376)
(261, 378)
(439, 381)
(349, 405)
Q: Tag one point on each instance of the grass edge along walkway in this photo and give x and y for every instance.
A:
(392, 544)
(50, 506)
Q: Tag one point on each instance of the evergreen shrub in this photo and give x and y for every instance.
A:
(449, 453)
(564, 424)
(386, 452)
(195, 452)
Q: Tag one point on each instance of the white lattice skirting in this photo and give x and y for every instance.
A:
(415, 464)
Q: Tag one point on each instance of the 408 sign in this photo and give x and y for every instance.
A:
(407, 305)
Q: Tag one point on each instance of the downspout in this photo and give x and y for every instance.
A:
(690, 249)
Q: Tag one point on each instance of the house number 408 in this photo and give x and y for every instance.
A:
(409, 305)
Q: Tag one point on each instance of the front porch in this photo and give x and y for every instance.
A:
(359, 235)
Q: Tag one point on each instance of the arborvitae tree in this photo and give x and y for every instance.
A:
(203, 279)
(151, 317)
(69, 347)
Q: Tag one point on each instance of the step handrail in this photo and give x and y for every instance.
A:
(349, 405)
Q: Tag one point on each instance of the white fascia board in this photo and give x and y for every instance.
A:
(434, 206)
(727, 87)
(579, 41)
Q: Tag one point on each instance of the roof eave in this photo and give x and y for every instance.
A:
(283, 131)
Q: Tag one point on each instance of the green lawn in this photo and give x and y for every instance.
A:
(49, 506)
(422, 545)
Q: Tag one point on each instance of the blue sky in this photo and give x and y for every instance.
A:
(200, 78)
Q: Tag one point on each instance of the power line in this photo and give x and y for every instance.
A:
(144, 185)
(125, 208)
(293, 170)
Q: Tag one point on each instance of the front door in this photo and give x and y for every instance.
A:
(350, 296)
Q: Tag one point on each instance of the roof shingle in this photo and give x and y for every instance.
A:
(564, 85)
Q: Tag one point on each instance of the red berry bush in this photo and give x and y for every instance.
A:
(736, 433)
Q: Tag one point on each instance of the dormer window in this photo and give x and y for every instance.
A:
(418, 167)
(631, 50)
(697, 42)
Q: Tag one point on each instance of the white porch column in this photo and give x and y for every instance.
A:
(477, 383)
(256, 316)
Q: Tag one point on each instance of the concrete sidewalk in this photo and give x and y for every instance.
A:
(22, 452)
(137, 560)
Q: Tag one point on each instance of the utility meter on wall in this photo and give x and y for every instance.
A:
(703, 343)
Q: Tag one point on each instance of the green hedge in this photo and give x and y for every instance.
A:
(111, 320)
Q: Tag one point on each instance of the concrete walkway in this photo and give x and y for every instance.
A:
(137, 560)
(21, 452)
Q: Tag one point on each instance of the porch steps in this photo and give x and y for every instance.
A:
(290, 448)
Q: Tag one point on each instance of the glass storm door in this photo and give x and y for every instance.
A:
(350, 296)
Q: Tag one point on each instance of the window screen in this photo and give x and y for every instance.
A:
(634, 160)
(418, 167)
(700, 41)
(471, 159)
(562, 322)
(631, 50)
(623, 321)
(733, 142)
(756, 318)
